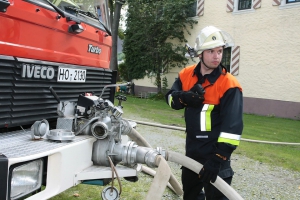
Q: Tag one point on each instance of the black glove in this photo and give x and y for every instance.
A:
(211, 168)
(194, 97)
(191, 99)
(197, 88)
(175, 101)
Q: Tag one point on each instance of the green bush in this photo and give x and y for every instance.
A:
(122, 70)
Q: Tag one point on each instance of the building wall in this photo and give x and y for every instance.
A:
(269, 64)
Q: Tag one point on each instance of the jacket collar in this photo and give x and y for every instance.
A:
(212, 77)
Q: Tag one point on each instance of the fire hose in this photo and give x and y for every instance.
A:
(183, 129)
(163, 174)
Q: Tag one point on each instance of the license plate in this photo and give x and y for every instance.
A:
(71, 75)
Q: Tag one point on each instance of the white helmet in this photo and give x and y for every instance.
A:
(211, 37)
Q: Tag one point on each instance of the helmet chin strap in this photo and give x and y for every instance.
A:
(201, 59)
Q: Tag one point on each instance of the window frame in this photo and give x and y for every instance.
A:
(239, 2)
(295, 1)
(227, 53)
(195, 11)
(237, 11)
(286, 5)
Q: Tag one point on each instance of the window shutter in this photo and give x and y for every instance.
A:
(276, 2)
(235, 60)
(256, 4)
(229, 7)
(200, 8)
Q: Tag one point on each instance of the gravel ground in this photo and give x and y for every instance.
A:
(252, 180)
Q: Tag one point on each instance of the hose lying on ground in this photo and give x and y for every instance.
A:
(193, 165)
(152, 172)
(161, 178)
(183, 129)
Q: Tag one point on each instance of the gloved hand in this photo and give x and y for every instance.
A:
(211, 168)
(174, 100)
(197, 88)
(191, 99)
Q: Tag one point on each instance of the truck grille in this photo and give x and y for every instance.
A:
(26, 100)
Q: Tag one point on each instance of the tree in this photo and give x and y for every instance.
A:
(115, 30)
(152, 29)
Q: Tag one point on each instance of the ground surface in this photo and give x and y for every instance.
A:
(252, 180)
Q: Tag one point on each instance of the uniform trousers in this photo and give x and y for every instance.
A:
(193, 187)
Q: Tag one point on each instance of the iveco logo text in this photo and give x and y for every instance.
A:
(94, 49)
(37, 71)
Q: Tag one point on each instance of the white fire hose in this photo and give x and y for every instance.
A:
(183, 129)
(163, 174)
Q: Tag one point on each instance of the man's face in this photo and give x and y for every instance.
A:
(213, 57)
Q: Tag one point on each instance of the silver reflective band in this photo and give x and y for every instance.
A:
(230, 136)
(201, 136)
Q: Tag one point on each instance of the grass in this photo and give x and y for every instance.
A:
(130, 191)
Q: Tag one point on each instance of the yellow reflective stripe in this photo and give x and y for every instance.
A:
(229, 141)
(205, 117)
(170, 99)
(208, 117)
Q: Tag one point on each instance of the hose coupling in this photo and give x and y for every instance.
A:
(161, 152)
(150, 158)
(129, 154)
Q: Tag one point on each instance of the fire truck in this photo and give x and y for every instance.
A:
(56, 97)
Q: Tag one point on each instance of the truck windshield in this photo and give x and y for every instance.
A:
(95, 9)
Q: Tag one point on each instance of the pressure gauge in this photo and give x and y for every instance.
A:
(110, 193)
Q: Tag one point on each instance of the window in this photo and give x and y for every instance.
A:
(227, 58)
(285, 4)
(192, 8)
(292, 1)
(244, 4)
(85, 11)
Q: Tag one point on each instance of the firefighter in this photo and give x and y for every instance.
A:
(213, 103)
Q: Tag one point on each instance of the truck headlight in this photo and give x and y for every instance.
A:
(26, 178)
